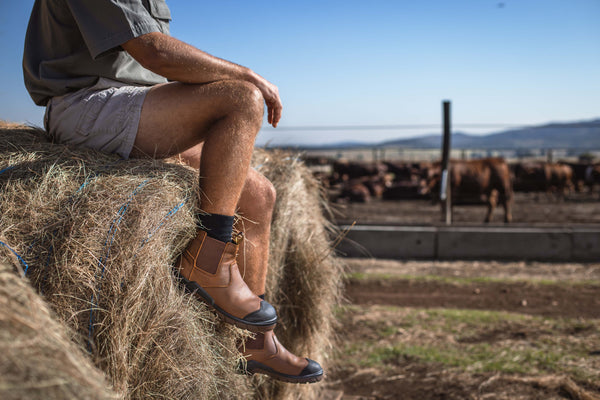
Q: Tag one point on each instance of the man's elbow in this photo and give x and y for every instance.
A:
(149, 51)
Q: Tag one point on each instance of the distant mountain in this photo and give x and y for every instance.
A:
(580, 135)
(571, 135)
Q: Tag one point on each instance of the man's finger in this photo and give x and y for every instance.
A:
(277, 116)
(270, 114)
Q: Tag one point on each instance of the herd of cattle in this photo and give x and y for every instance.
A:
(489, 180)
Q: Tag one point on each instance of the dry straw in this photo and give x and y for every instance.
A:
(39, 361)
(97, 237)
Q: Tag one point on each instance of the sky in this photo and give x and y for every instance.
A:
(380, 67)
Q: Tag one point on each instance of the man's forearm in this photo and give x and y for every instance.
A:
(179, 61)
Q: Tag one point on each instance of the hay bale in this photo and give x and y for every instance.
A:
(304, 276)
(99, 236)
(38, 360)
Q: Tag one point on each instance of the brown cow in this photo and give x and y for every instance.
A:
(544, 177)
(354, 191)
(487, 179)
(593, 176)
(344, 170)
(560, 179)
(581, 175)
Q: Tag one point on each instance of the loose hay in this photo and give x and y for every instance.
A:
(39, 361)
(99, 236)
(304, 277)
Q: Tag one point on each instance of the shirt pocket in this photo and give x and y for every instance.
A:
(160, 10)
(161, 13)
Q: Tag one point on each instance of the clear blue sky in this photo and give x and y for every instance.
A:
(381, 62)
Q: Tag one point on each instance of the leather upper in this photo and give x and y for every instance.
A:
(275, 356)
(212, 264)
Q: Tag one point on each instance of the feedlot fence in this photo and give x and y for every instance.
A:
(394, 153)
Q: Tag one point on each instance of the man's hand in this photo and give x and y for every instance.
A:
(272, 100)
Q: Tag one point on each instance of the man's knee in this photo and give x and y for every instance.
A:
(265, 191)
(269, 193)
(259, 193)
(244, 98)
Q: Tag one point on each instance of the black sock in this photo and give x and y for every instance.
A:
(217, 226)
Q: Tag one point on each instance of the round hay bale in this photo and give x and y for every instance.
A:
(304, 280)
(38, 360)
(99, 236)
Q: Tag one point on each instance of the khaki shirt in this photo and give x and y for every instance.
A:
(70, 44)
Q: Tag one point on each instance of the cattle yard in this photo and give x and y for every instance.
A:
(514, 315)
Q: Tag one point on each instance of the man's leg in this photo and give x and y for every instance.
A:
(255, 206)
(263, 353)
(226, 117)
(256, 210)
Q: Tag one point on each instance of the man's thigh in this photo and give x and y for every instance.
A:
(176, 117)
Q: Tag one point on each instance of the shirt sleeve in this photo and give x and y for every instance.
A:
(106, 24)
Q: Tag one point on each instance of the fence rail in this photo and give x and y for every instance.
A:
(394, 153)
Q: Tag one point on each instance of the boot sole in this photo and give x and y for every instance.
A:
(201, 294)
(254, 367)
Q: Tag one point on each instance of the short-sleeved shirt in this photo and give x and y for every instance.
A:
(70, 44)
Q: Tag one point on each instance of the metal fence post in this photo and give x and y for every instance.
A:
(445, 191)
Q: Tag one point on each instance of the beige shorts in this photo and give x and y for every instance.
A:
(104, 117)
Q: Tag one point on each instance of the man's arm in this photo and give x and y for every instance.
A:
(178, 61)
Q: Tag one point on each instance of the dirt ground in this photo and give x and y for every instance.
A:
(528, 209)
(534, 307)
(559, 290)
(382, 295)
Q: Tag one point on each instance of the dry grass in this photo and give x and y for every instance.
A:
(304, 281)
(28, 332)
(99, 236)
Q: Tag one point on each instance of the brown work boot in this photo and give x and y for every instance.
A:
(209, 270)
(265, 355)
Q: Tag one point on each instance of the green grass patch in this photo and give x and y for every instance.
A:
(482, 357)
(453, 280)
(474, 341)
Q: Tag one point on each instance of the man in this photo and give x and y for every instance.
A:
(113, 79)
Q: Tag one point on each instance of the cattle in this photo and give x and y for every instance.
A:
(407, 172)
(487, 180)
(359, 181)
(344, 170)
(408, 180)
(355, 192)
(593, 176)
(404, 190)
(376, 185)
(581, 176)
(530, 177)
(310, 161)
(551, 178)
(363, 189)
(560, 178)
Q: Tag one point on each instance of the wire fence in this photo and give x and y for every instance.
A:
(570, 142)
(383, 153)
